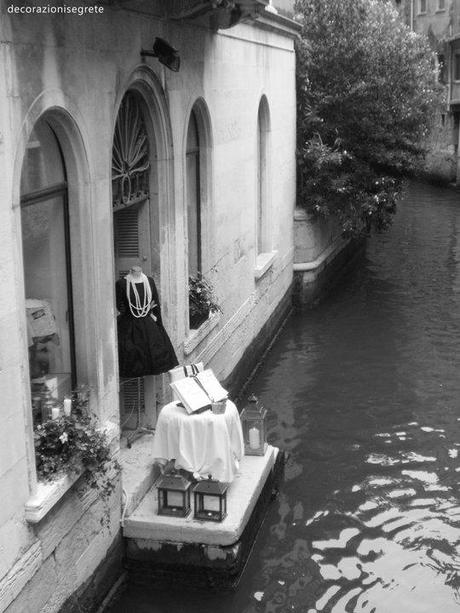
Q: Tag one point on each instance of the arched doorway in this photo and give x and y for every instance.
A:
(135, 222)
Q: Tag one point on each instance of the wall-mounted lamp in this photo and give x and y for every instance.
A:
(166, 54)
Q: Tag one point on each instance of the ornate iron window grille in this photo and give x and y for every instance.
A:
(130, 156)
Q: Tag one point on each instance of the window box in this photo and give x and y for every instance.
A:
(195, 337)
(197, 320)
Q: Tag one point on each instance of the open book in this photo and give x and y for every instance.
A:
(208, 381)
(197, 393)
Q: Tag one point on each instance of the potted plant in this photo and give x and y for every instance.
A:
(202, 300)
(73, 444)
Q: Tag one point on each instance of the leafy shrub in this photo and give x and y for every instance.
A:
(365, 89)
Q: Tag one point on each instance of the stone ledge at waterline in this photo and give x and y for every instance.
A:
(320, 255)
(162, 549)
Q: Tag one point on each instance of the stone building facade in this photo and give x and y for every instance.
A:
(439, 20)
(207, 183)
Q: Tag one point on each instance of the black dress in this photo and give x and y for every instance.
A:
(144, 347)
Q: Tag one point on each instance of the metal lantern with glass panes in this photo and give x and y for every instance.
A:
(173, 495)
(210, 498)
(254, 429)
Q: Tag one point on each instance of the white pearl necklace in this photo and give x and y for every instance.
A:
(137, 309)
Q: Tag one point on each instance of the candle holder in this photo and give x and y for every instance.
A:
(173, 495)
(218, 408)
(210, 497)
(47, 405)
(254, 427)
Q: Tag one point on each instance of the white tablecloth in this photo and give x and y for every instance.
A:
(203, 443)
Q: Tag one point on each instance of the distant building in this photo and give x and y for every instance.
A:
(111, 157)
(439, 20)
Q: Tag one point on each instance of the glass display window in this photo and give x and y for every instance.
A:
(47, 279)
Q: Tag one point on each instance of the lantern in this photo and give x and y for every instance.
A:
(173, 495)
(254, 429)
(47, 405)
(210, 498)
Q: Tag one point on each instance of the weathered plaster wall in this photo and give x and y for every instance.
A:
(66, 548)
(76, 69)
(15, 536)
(244, 72)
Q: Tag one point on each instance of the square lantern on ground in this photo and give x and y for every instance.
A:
(173, 495)
(254, 428)
(210, 498)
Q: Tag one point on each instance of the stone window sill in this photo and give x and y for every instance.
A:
(50, 492)
(47, 495)
(195, 337)
(264, 262)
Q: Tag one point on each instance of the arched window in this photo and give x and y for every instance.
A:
(47, 268)
(263, 216)
(193, 197)
(198, 187)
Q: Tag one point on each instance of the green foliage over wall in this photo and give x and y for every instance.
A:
(365, 87)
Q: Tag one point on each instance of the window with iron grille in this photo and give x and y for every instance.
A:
(130, 155)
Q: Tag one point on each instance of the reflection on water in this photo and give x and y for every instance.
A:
(364, 393)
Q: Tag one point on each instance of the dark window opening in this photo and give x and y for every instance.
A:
(442, 77)
(193, 196)
(457, 67)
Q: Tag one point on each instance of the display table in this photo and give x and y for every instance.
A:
(203, 443)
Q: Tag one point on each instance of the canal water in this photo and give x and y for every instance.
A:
(364, 393)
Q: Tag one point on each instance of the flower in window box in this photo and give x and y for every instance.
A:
(73, 443)
(202, 300)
